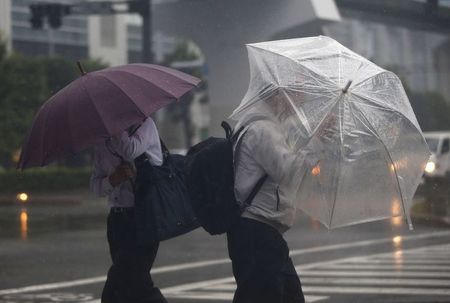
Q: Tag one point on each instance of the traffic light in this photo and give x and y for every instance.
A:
(37, 16)
(54, 14)
(53, 11)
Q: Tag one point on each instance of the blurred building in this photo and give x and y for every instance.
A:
(417, 51)
(162, 44)
(442, 64)
(416, 48)
(418, 54)
(5, 21)
(79, 36)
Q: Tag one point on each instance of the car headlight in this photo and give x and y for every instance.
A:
(431, 167)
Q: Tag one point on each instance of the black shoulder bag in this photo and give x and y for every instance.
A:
(163, 206)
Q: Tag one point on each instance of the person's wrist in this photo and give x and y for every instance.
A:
(113, 180)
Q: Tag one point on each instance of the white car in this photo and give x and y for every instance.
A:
(439, 164)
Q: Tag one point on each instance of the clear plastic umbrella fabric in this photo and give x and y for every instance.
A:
(365, 149)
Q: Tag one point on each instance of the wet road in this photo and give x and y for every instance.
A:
(53, 253)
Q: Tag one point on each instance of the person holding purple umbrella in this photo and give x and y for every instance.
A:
(129, 277)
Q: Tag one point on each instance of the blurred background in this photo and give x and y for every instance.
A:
(49, 222)
(41, 41)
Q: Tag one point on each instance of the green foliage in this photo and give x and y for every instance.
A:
(60, 71)
(432, 110)
(23, 89)
(26, 83)
(44, 179)
(92, 65)
(3, 50)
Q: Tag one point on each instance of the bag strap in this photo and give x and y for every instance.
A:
(228, 129)
(230, 134)
(165, 151)
(233, 136)
(255, 191)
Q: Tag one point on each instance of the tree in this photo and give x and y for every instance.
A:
(186, 52)
(60, 71)
(23, 89)
(26, 83)
(432, 110)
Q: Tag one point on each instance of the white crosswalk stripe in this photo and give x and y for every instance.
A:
(419, 271)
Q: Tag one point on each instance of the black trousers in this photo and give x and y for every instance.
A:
(129, 279)
(262, 267)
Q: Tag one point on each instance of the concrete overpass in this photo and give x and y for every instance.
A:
(222, 28)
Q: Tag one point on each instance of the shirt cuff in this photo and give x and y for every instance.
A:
(106, 186)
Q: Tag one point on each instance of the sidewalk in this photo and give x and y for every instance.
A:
(435, 212)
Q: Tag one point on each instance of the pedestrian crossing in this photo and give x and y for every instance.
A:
(419, 271)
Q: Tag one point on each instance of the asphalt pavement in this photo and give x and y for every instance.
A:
(58, 253)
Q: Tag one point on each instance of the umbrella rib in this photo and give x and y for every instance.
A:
(95, 106)
(109, 80)
(266, 92)
(169, 71)
(337, 189)
(154, 84)
(323, 119)
(340, 157)
(355, 84)
(317, 75)
(375, 133)
(44, 141)
(383, 107)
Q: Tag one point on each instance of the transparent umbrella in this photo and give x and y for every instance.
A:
(351, 117)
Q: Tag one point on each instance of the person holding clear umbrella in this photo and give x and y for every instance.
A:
(313, 96)
(260, 256)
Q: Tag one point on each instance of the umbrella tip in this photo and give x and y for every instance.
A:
(345, 89)
(81, 68)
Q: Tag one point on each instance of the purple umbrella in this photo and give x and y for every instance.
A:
(99, 105)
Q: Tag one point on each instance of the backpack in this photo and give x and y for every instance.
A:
(210, 180)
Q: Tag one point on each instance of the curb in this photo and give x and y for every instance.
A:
(427, 219)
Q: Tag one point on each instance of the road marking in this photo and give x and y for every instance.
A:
(191, 265)
(377, 290)
(315, 289)
(196, 285)
(316, 273)
(52, 286)
(223, 289)
(365, 243)
(371, 281)
(102, 279)
(354, 281)
(392, 260)
(374, 274)
(225, 296)
(396, 266)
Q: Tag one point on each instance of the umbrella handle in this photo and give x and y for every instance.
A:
(81, 68)
(345, 89)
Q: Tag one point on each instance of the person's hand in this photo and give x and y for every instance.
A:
(122, 173)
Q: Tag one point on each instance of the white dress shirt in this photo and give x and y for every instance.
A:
(144, 140)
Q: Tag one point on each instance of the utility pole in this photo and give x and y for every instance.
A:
(55, 11)
(147, 30)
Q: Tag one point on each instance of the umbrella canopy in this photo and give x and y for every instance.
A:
(350, 116)
(99, 105)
